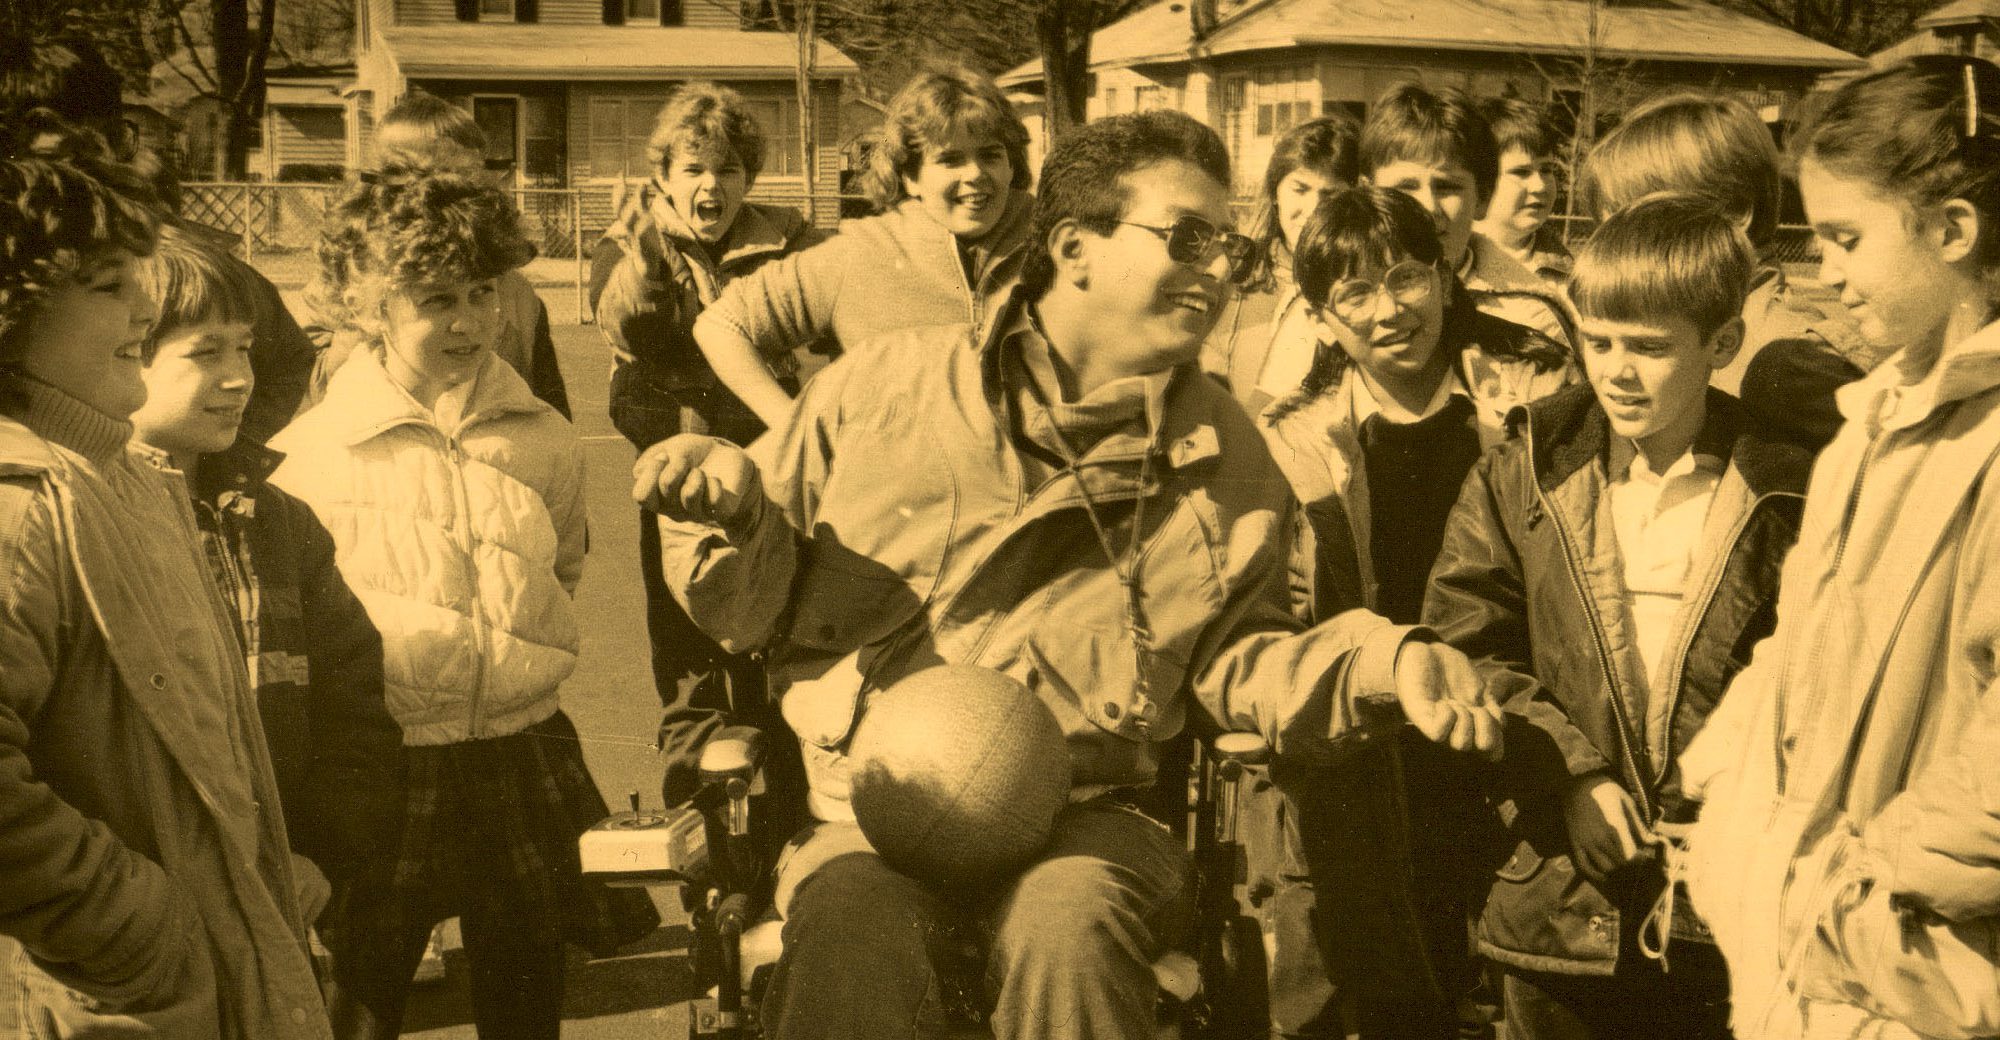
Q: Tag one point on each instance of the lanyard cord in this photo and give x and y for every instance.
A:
(1127, 572)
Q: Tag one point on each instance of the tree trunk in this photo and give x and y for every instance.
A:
(1065, 67)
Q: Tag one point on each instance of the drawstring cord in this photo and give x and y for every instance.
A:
(1656, 931)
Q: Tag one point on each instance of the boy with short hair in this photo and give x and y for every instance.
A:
(315, 660)
(684, 236)
(1795, 353)
(1608, 571)
(424, 129)
(1517, 224)
(1436, 146)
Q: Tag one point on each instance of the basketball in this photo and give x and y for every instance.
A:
(958, 774)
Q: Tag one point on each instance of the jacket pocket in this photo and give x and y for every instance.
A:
(1095, 675)
(1542, 915)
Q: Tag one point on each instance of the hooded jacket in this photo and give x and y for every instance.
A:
(1846, 854)
(146, 887)
(1530, 586)
(462, 536)
(650, 278)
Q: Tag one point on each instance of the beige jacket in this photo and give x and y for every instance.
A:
(1848, 853)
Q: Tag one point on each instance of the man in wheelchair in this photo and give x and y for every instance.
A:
(1066, 500)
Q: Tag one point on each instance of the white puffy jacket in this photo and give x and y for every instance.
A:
(465, 542)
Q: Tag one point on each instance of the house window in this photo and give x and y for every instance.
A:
(496, 10)
(1146, 99)
(542, 140)
(1285, 97)
(642, 10)
(618, 131)
(1110, 101)
(778, 118)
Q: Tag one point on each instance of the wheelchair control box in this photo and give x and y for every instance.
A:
(667, 846)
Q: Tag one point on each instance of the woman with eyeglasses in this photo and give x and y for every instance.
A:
(949, 178)
(1409, 383)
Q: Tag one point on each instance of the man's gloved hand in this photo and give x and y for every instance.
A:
(1445, 698)
(1606, 831)
(690, 477)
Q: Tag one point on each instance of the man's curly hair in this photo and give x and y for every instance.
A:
(58, 220)
(406, 225)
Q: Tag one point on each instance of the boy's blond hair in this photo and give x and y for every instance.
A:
(1667, 255)
(1700, 144)
(419, 125)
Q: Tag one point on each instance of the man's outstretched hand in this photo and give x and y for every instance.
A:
(690, 477)
(1443, 696)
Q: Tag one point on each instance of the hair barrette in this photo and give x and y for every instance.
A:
(1971, 101)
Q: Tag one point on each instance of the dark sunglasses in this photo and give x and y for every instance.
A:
(1192, 240)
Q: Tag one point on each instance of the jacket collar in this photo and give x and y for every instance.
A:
(370, 403)
(752, 234)
(1568, 431)
(1183, 420)
(1882, 401)
(243, 467)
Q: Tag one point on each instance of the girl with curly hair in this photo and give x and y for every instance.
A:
(455, 498)
(144, 864)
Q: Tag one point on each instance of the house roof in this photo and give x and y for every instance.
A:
(598, 52)
(1961, 12)
(1652, 30)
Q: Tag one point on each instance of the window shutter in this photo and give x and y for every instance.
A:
(670, 12)
(614, 12)
(526, 11)
(468, 10)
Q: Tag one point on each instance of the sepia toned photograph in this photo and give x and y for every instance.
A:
(1010, 519)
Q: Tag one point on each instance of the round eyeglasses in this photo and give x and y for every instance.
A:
(1409, 283)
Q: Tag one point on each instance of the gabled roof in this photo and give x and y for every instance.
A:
(598, 52)
(1645, 30)
(1961, 12)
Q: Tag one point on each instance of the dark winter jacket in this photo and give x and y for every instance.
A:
(317, 664)
(1529, 585)
(649, 280)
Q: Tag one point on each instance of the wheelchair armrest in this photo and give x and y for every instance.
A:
(734, 753)
(1241, 749)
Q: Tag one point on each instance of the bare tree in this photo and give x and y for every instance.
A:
(1857, 26)
(225, 53)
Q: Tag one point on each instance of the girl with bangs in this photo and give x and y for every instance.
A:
(1409, 383)
(1311, 162)
(455, 499)
(144, 865)
(950, 177)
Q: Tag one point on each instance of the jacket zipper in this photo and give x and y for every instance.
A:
(1707, 600)
(1624, 727)
(457, 457)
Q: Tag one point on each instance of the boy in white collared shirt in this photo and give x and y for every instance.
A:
(1608, 569)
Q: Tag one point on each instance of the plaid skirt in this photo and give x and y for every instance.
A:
(496, 819)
